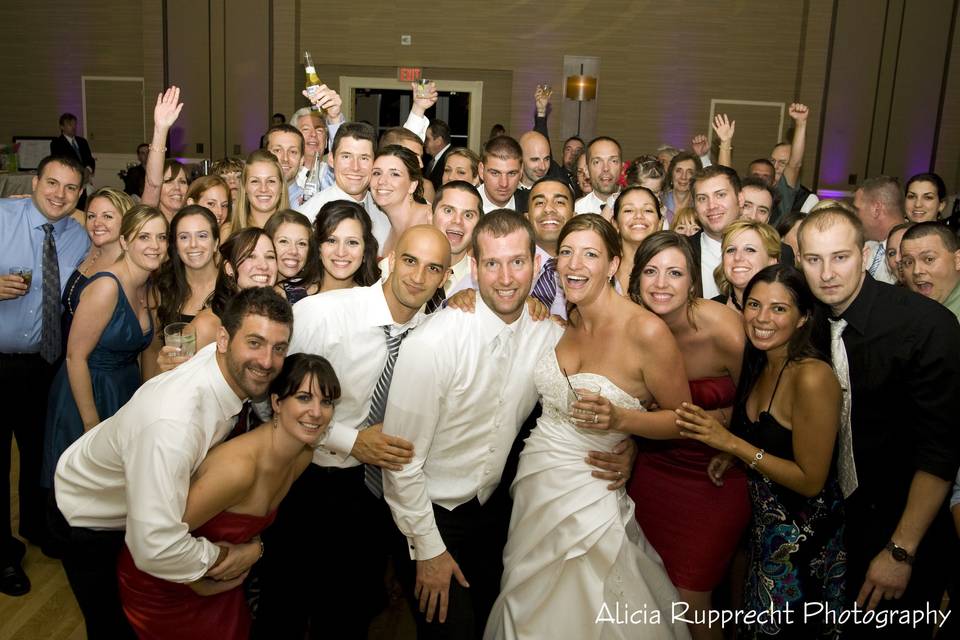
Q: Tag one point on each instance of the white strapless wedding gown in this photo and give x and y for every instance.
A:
(576, 564)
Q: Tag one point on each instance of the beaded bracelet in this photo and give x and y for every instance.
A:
(756, 459)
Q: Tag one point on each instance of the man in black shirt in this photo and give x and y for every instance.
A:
(903, 352)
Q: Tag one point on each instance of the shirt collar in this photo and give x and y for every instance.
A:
(858, 313)
(490, 325)
(458, 272)
(491, 206)
(378, 313)
(709, 243)
(37, 219)
(227, 399)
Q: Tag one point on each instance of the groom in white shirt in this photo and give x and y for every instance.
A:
(461, 389)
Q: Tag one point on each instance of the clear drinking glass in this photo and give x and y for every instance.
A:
(24, 272)
(181, 336)
(423, 87)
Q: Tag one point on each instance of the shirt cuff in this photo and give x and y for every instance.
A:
(705, 160)
(427, 546)
(417, 124)
(340, 440)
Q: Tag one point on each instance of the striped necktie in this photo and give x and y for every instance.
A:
(372, 474)
(545, 290)
(877, 258)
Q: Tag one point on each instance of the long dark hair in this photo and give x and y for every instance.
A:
(172, 289)
(332, 214)
(809, 341)
(234, 251)
(409, 160)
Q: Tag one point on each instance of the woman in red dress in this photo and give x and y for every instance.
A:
(693, 524)
(234, 496)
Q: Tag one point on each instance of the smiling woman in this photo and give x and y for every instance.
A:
(263, 191)
(113, 325)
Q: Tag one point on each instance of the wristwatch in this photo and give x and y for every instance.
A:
(899, 553)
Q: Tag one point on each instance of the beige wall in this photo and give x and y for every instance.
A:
(661, 63)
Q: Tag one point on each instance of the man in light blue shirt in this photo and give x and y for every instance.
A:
(27, 350)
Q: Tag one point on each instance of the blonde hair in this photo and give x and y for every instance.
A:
(136, 217)
(241, 213)
(686, 215)
(768, 236)
(120, 200)
(203, 184)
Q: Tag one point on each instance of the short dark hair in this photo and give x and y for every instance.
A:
(278, 116)
(604, 139)
(757, 183)
(499, 223)
(440, 129)
(788, 220)
(713, 171)
(69, 162)
(931, 228)
(558, 180)
(357, 131)
(577, 138)
(502, 147)
(458, 185)
(141, 146)
(283, 128)
(64, 117)
(885, 190)
(256, 301)
(764, 161)
(296, 369)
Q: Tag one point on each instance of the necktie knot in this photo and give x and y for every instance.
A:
(837, 327)
(545, 288)
(47, 228)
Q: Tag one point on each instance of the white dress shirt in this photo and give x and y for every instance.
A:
(346, 327)
(709, 260)
(133, 470)
(489, 205)
(462, 387)
(380, 221)
(591, 203)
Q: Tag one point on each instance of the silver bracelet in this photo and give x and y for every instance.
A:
(756, 459)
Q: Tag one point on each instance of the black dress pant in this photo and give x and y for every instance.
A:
(90, 562)
(25, 383)
(867, 531)
(474, 534)
(322, 571)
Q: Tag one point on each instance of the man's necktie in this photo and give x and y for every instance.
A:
(877, 258)
(372, 474)
(50, 308)
(76, 147)
(243, 420)
(545, 289)
(846, 466)
(436, 301)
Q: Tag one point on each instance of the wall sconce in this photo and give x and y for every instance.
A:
(581, 88)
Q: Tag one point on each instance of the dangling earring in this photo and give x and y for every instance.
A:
(276, 423)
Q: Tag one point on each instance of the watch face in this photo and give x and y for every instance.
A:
(898, 554)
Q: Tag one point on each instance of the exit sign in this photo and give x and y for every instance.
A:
(409, 74)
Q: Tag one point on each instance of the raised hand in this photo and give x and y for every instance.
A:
(542, 98)
(700, 145)
(799, 112)
(426, 99)
(168, 108)
(724, 127)
(326, 99)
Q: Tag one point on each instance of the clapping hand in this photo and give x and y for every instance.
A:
(724, 127)
(700, 145)
(168, 108)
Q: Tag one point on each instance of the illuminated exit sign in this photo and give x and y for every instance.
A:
(409, 74)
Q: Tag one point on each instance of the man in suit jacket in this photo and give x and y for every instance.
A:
(718, 199)
(437, 144)
(73, 146)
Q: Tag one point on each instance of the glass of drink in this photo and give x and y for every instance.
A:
(24, 272)
(583, 391)
(423, 87)
(182, 337)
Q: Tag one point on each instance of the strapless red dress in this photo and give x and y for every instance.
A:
(693, 524)
(160, 609)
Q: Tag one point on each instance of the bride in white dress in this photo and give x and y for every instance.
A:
(576, 564)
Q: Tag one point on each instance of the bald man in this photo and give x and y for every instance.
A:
(334, 526)
(537, 163)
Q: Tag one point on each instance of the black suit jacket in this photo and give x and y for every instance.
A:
(436, 175)
(60, 146)
(786, 254)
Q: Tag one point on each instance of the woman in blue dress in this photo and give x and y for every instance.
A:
(112, 325)
(784, 426)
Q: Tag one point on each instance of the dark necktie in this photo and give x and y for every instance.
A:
(372, 474)
(50, 308)
(243, 420)
(436, 301)
(76, 147)
(545, 290)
